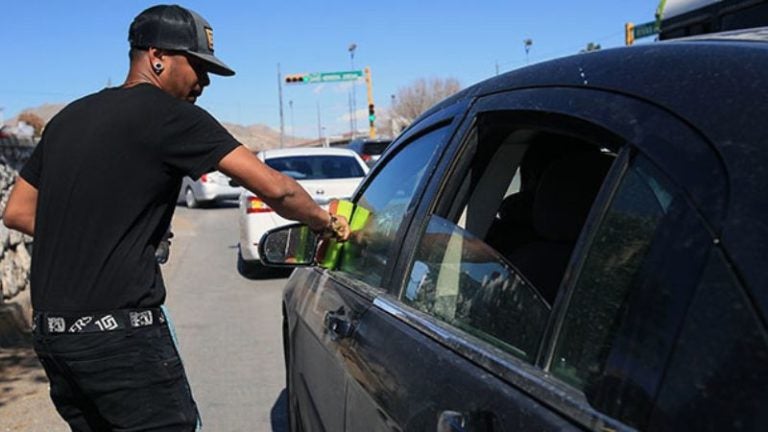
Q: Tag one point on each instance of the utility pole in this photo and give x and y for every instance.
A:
(319, 125)
(351, 49)
(280, 96)
(497, 68)
(293, 129)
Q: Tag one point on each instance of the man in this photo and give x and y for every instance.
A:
(98, 194)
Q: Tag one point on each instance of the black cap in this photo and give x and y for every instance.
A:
(173, 27)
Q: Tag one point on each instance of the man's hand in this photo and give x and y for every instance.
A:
(337, 229)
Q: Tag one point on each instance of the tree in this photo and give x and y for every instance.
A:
(419, 96)
(591, 47)
(33, 120)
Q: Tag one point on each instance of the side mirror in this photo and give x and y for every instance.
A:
(289, 245)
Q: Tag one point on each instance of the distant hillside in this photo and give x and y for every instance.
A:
(255, 137)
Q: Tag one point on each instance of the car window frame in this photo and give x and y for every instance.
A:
(581, 106)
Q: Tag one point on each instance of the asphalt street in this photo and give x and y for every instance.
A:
(229, 328)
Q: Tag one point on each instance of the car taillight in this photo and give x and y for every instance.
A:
(204, 178)
(366, 157)
(256, 205)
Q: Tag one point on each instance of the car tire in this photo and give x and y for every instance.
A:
(190, 200)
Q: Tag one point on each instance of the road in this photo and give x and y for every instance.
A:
(229, 330)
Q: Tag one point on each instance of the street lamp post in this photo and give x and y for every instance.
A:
(527, 43)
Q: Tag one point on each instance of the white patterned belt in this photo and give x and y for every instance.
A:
(75, 323)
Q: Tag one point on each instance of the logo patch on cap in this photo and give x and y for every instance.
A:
(209, 36)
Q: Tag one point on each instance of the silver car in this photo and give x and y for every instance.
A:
(209, 188)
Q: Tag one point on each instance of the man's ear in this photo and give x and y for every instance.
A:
(155, 57)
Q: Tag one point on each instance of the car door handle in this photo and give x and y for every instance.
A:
(455, 421)
(337, 326)
(452, 421)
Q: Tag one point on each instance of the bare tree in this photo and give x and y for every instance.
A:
(419, 96)
(33, 120)
(591, 47)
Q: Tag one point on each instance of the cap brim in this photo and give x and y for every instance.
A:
(213, 64)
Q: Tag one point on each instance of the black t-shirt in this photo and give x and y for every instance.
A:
(108, 171)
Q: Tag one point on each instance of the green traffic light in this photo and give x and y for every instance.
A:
(371, 118)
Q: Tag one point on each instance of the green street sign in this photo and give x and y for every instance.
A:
(324, 77)
(646, 29)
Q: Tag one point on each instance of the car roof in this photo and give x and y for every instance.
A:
(715, 83)
(307, 151)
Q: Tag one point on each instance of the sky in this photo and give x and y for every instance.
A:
(56, 51)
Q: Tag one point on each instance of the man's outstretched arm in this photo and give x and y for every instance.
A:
(279, 191)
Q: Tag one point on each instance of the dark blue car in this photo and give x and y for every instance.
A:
(581, 244)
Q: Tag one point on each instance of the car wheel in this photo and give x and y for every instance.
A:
(251, 269)
(190, 200)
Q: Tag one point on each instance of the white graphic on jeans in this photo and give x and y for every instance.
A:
(107, 322)
(141, 319)
(80, 324)
(56, 325)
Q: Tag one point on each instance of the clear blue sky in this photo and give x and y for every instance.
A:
(56, 51)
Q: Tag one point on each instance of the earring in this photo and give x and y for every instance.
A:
(158, 67)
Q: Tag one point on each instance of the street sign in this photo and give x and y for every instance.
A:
(324, 77)
(646, 29)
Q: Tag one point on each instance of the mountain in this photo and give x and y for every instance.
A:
(255, 137)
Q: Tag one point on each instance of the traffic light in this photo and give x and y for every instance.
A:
(629, 34)
(296, 78)
(371, 114)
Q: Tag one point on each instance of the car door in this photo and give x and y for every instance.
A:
(469, 342)
(324, 307)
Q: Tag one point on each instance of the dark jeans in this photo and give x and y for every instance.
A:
(125, 380)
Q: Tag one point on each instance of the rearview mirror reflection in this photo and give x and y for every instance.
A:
(288, 245)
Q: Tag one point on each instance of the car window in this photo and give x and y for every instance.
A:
(618, 298)
(317, 167)
(459, 279)
(383, 205)
(491, 259)
(615, 256)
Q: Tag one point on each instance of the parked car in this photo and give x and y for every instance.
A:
(212, 187)
(619, 284)
(369, 149)
(325, 173)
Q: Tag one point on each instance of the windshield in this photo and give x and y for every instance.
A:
(317, 167)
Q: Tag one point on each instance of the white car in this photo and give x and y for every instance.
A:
(209, 188)
(325, 173)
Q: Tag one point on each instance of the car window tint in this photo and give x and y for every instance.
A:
(459, 279)
(717, 375)
(613, 266)
(317, 167)
(383, 205)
